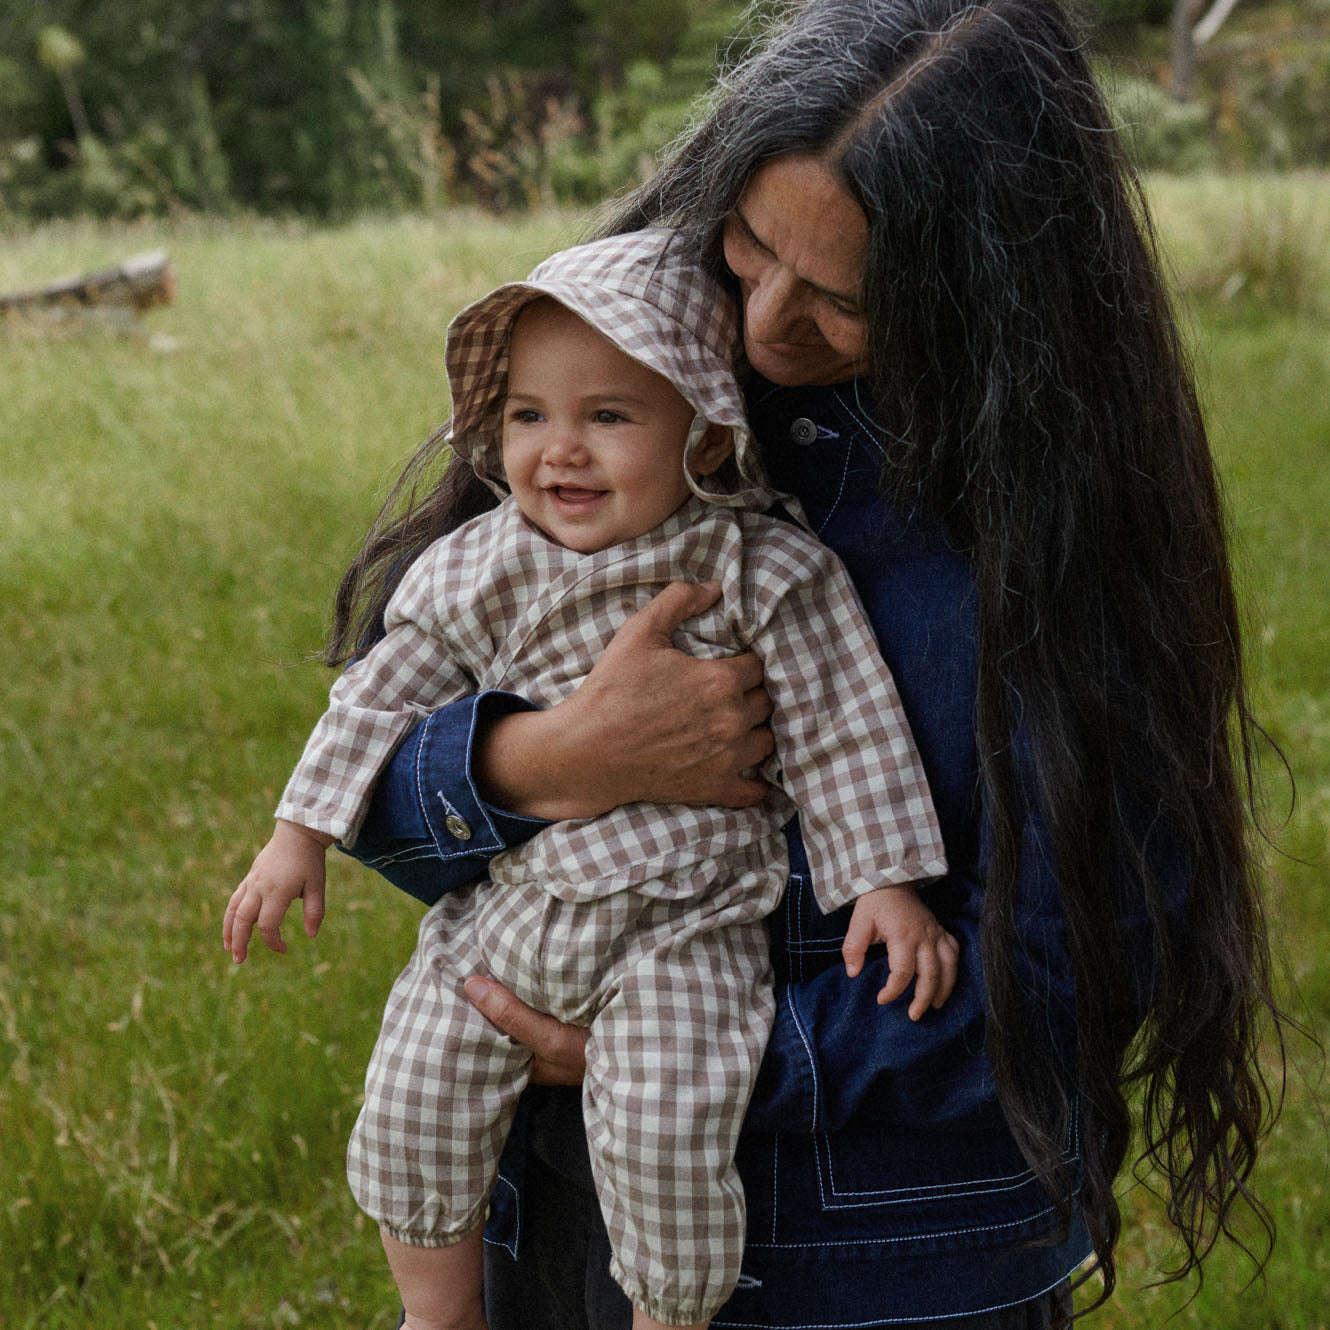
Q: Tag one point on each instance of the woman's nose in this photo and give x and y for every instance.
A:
(771, 307)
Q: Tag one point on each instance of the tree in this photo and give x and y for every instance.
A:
(62, 53)
(325, 107)
(1188, 34)
(1213, 21)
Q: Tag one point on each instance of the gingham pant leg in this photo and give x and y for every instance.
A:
(440, 1092)
(670, 1068)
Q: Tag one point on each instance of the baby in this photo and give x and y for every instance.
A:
(598, 398)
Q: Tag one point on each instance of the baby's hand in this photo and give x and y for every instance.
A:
(918, 947)
(290, 865)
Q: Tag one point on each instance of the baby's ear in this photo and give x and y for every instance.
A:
(715, 445)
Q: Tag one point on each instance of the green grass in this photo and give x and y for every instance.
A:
(172, 525)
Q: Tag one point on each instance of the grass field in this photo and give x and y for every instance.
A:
(173, 523)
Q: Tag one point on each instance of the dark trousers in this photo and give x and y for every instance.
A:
(562, 1280)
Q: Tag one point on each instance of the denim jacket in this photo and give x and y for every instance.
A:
(882, 1181)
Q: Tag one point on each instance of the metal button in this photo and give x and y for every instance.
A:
(803, 432)
(457, 827)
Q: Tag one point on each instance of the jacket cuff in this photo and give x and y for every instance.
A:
(459, 821)
(407, 836)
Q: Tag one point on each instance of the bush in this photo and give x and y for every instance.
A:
(1159, 132)
(1274, 103)
(1131, 11)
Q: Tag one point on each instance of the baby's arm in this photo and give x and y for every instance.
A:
(918, 947)
(290, 865)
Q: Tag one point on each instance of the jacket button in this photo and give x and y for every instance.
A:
(803, 432)
(457, 827)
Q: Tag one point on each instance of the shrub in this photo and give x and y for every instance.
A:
(1159, 132)
(1274, 102)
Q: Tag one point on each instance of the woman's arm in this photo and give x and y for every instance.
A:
(649, 723)
(429, 829)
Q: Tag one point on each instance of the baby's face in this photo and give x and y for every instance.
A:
(593, 440)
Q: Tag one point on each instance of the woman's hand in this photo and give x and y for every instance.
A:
(650, 723)
(559, 1049)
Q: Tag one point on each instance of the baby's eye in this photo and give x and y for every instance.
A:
(523, 415)
(607, 417)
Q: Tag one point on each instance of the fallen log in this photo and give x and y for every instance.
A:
(135, 285)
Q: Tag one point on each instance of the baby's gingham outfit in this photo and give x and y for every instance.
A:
(646, 924)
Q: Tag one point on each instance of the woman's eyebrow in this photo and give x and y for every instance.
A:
(845, 297)
(752, 235)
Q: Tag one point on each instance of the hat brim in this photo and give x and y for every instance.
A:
(480, 335)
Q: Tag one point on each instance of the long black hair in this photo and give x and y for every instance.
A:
(1035, 397)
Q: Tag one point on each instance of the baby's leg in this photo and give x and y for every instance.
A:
(671, 1064)
(440, 1092)
(641, 1321)
(440, 1286)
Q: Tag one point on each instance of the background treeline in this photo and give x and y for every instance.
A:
(328, 107)
(332, 107)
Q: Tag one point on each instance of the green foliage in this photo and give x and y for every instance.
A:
(635, 119)
(329, 107)
(1131, 11)
(1159, 132)
(1260, 98)
(1273, 98)
(18, 93)
(59, 51)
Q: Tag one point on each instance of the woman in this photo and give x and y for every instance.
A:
(965, 367)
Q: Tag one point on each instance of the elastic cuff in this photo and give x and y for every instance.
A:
(433, 1240)
(667, 1313)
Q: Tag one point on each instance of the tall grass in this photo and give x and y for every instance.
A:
(1250, 243)
(172, 1129)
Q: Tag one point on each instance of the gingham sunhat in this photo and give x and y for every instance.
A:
(643, 293)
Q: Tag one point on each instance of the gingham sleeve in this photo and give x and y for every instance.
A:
(844, 746)
(374, 703)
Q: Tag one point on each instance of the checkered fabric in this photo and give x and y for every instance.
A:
(679, 1004)
(497, 604)
(645, 294)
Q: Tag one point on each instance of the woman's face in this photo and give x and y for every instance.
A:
(796, 241)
